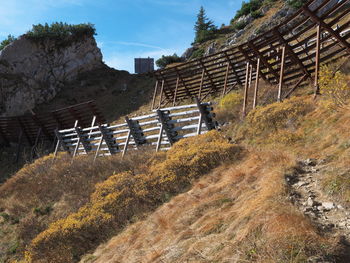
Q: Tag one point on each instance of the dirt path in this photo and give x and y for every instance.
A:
(330, 217)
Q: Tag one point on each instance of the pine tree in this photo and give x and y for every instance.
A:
(204, 27)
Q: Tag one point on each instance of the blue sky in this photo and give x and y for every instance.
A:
(125, 28)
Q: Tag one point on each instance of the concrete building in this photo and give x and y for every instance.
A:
(144, 65)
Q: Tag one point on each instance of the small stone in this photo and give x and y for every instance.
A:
(340, 207)
(310, 162)
(342, 224)
(328, 205)
(307, 209)
(310, 202)
(320, 208)
(301, 183)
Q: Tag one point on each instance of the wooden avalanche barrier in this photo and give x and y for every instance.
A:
(287, 56)
(160, 130)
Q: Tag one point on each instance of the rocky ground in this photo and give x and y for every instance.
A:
(330, 217)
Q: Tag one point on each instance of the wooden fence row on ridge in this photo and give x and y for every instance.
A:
(287, 56)
(160, 130)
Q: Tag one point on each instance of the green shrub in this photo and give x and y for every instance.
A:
(167, 60)
(248, 8)
(239, 25)
(60, 31)
(7, 41)
(198, 53)
(257, 14)
(296, 3)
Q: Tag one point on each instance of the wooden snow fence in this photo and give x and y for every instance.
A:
(285, 57)
(159, 130)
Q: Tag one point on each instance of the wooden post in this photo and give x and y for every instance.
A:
(280, 85)
(163, 119)
(154, 95)
(203, 117)
(161, 94)
(35, 143)
(92, 125)
(20, 138)
(245, 90)
(250, 76)
(317, 61)
(295, 86)
(176, 88)
(126, 144)
(256, 89)
(226, 79)
(201, 85)
(159, 141)
(83, 142)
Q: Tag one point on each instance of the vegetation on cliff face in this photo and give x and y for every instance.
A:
(7, 41)
(60, 31)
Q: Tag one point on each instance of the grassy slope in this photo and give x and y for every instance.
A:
(241, 211)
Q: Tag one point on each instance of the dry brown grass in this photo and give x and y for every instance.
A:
(48, 190)
(238, 213)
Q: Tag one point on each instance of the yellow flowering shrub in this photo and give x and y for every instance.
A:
(334, 86)
(266, 121)
(128, 194)
(230, 106)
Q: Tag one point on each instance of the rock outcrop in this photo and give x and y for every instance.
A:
(33, 72)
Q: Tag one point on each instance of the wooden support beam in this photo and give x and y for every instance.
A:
(250, 76)
(33, 153)
(136, 131)
(60, 143)
(127, 141)
(176, 88)
(42, 127)
(245, 90)
(295, 87)
(182, 82)
(252, 62)
(226, 78)
(256, 88)
(208, 74)
(82, 141)
(280, 85)
(263, 60)
(160, 137)
(203, 117)
(154, 95)
(163, 119)
(201, 84)
(328, 28)
(317, 61)
(232, 67)
(24, 131)
(161, 94)
(107, 138)
(166, 85)
(19, 145)
(290, 51)
(75, 116)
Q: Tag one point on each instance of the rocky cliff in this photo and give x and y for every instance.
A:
(33, 72)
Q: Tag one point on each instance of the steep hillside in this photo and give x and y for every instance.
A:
(273, 186)
(284, 181)
(291, 188)
(253, 18)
